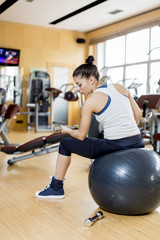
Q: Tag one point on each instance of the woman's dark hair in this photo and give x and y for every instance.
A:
(87, 70)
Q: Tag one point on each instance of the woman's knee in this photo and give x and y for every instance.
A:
(63, 149)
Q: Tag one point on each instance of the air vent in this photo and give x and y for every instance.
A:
(116, 11)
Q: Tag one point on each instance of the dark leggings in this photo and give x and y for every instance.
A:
(93, 147)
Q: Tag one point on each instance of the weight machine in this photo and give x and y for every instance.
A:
(40, 97)
(150, 105)
(38, 100)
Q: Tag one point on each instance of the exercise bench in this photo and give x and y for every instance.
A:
(7, 115)
(36, 147)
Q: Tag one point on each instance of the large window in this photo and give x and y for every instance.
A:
(115, 50)
(9, 84)
(137, 46)
(133, 60)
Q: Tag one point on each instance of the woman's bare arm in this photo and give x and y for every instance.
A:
(135, 108)
(86, 114)
(93, 104)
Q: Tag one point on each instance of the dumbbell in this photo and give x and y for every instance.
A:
(71, 96)
(58, 129)
(89, 221)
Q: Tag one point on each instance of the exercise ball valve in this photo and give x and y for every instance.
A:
(89, 221)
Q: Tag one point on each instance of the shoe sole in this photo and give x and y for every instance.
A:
(51, 196)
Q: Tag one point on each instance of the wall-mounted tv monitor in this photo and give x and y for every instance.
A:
(9, 57)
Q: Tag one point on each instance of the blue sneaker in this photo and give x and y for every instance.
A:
(53, 190)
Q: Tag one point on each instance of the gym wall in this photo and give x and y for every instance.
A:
(41, 47)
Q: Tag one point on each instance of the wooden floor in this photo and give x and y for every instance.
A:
(22, 216)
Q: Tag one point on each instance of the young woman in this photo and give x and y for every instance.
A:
(113, 107)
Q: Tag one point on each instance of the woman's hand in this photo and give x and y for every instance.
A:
(65, 129)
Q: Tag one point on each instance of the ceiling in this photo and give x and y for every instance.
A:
(43, 12)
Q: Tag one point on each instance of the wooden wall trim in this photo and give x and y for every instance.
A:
(136, 23)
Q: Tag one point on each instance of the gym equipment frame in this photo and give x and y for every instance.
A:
(36, 147)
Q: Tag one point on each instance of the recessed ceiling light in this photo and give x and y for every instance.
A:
(6, 4)
(86, 7)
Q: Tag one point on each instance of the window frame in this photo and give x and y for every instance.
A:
(125, 65)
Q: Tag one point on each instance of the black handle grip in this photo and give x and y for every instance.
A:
(89, 221)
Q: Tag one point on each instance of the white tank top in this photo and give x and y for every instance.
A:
(117, 116)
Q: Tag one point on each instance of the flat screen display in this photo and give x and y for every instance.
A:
(9, 57)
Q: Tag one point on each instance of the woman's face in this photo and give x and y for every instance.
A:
(84, 85)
